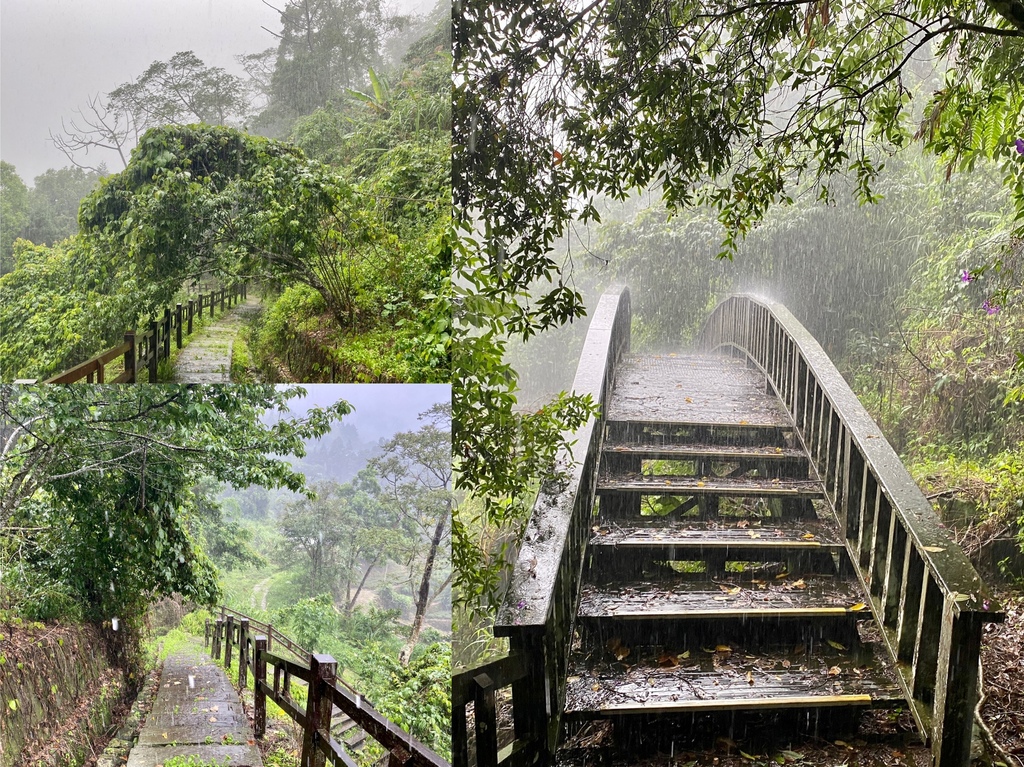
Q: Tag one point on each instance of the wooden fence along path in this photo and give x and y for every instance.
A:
(325, 691)
(757, 553)
(144, 350)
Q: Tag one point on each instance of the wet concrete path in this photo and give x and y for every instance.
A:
(196, 713)
(207, 358)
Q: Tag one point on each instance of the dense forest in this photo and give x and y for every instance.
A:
(321, 179)
(138, 510)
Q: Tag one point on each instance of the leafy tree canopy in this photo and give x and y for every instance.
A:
(53, 203)
(97, 484)
(201, 199)
(14, 212)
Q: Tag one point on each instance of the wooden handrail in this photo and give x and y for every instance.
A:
(539, 609)
(144, 350)
(923, 591)
(479, 686)
(324, 691)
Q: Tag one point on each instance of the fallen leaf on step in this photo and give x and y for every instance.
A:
(750, 677)
(729, 589)
(835, 645)
(857, 607)
(808, 536)
(752, 534)
(934, 549)
(798, 584)
(595, 687)
(723, 648)
(834, 671)
(668, 660)
(743, 523)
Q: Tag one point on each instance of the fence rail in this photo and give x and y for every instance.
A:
(539, 610)
(324, 692)
(144, 350)
(924, 593)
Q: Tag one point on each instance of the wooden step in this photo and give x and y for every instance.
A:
(653, 680)
(664, 537)
(691, 451)
(739, 433)
(738, 598)
(704, 486)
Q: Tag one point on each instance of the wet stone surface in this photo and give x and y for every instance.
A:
(203, 719)
(698, 389)
(207, 358)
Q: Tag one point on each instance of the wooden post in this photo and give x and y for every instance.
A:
(243, 653)
(191, 312)
(222, 300)
(215, 648)
(129, 356)
(486, 718)
(322, 670)
(229, 634)
(151, 348)
(245, 290)
(260, 676)
(206, 633)
(167, 333)
(956, 688)
(200, 303)
(177, 325)
(213, 299)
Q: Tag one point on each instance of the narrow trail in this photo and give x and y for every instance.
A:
(207, 358)
(259, 592)
(196, 713)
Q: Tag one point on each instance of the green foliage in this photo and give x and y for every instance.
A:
(14, 213)
(417, 698)
(61, 304)
(54, 202)
(324, 47)
(180, 91)
(195, 622)
(312, 622)
(97, 484)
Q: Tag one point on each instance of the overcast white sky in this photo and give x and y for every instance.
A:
(380, 410)
(56, 53)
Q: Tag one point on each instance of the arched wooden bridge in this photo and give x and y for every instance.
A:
(736, 544)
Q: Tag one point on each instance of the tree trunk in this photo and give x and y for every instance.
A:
(423, 597)
(352, 602)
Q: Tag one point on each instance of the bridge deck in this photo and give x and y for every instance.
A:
(693, 389)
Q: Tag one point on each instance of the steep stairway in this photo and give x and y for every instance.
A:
(717, 593)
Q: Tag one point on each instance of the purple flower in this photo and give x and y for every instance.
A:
(1019, 143)
(986, 605)
(990, 307)
(965, 276)
(521, 604)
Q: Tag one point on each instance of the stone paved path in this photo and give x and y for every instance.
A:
(196, 713)
(207, 358)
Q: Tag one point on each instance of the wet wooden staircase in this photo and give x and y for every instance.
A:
(732, 542)
(716, 580)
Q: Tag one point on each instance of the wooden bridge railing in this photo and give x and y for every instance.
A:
(144, 350)
(540, 607)
(324, 691)
(924, 593)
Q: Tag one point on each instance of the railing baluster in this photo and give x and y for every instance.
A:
(259, 677)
